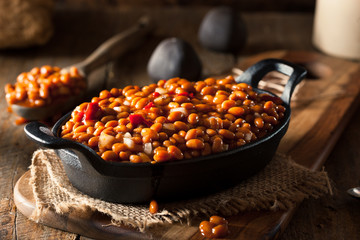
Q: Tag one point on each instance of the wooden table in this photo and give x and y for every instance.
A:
(77, 33)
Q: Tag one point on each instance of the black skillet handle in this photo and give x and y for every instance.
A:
(43, 136)
(256, 72)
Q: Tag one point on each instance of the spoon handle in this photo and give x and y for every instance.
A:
(115, 46)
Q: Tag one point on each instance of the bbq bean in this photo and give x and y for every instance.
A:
(227, 134)
(203, 108)
(175, 116)
(207, 150)
(191, 134)
(109, 156)
(227, 104)
(206, 229)
(217, 145)
(208, 91)
(175, 152)
(80, 129)
(119, 147)
(220, 231)
(210, 81)
(195, 144)
(236, 111)
(153, 207)
(220, 98)
(162, 156)
(211, 132)
(259, 122)
(193, 118)
(84, 137)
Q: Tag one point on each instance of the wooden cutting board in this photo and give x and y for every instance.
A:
(321, 108)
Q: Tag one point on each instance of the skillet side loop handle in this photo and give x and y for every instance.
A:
(116, 46)
(43, 136)
(255, 73)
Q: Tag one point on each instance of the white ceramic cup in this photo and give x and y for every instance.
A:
(337, 28)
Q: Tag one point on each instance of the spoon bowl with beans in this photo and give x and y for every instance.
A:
(46, 91)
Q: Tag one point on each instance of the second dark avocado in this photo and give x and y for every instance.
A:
(174, 57)
(223, 30)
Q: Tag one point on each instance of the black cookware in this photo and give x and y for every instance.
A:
(142, 182)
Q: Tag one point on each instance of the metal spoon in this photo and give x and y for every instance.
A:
(109, 50)
(355, 192)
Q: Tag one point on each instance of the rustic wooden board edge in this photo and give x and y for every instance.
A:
(94, 223)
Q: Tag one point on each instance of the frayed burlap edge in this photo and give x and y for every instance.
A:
(280, 185)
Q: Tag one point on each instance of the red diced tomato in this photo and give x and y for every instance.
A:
(149, 105)
(137, 119)
(92, 111)
(155, 94)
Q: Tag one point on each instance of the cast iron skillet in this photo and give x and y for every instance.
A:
(142, 182)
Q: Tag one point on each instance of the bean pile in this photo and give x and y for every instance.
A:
(216, 227)
(42, 86)
(173, 120)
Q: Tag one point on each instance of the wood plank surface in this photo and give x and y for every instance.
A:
(78, 32)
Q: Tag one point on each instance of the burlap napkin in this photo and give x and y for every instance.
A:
(280, 185)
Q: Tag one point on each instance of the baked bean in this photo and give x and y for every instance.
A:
(208, 91)
(236, 111)
(119, 147)
(80, 129)
(109, 156)
(217, 145)
(259, 122)
(227, 134)
(203, 107)
(121, 128)
(135, 158)
(175, 152)
(179, 139)
(207, 150)
(181, 99)
(210, 81)
(170, 120)
(124, 155)
(84, 137)
(175, 116)
(228, 104)
(218, 99)
(162, 156)
(215, 123)
(179, 125)
(195, 144)
(193, 118)
(144, 157)
(206, 229)
(153, 207)
(161, 119)
(218, 220)
(111, 123)
(149, 133)
(240, 142)
(191, 134)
